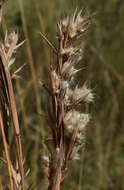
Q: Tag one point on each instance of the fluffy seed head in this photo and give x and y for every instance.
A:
(75, 119)
(11, 39)
(84, 119)
(56, 82)
(64, 84)
(84, 94)
(75, 24)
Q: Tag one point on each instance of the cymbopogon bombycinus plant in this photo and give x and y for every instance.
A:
(8, 112)
(66, 122)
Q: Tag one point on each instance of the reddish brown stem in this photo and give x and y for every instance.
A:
(6, 152)
(56, 182)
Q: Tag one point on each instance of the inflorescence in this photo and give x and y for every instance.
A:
(67, 124)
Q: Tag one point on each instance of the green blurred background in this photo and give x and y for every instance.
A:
(102, 162)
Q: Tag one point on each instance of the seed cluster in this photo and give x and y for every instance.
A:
(67, 124)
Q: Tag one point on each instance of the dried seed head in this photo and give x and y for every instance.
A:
(73, 71)
(64, 84)
(11, 40)
(75, 119)
(84, 119)
(56, 82)
(72, 29)
(66, 67)
(66, 118)
(68, 70)
(84, 94)
(69, 51)
(74, 25)
(69, 128)
(68, 97)
(65, 22)
(63, 25)
(11, 61)
(72, 117)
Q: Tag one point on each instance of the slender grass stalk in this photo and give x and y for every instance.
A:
(42, 28)
(81, 170)
(33, 74)
(1, 186)
(6, 152)
(35, 86)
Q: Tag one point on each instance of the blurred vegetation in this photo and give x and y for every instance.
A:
(102, 163)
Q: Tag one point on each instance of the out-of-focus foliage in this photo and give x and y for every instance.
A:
(102, 163)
